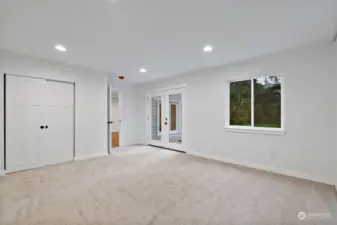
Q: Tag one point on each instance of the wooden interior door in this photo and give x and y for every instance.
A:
(115, 139)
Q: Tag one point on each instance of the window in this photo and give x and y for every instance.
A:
(256, 104)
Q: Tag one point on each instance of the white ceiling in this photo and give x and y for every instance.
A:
(164, 36)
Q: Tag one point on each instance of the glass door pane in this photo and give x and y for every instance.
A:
(156, 117)
(175, 118)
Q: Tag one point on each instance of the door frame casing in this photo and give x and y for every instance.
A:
(168, 90)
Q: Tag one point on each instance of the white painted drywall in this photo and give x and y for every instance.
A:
(305, 150)
(90, 99)
(335, 124)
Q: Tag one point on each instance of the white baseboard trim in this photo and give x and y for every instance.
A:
(2, 173)
(266, 168)
(90, 156)
(131, 145)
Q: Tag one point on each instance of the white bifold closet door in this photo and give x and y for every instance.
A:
(39, 122)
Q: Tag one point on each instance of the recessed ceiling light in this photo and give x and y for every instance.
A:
(208, 48)
(143, 70)
(60, 48)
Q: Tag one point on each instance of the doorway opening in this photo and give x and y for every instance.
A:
(114, 118)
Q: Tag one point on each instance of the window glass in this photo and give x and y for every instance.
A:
(240, 103)
(267, 102)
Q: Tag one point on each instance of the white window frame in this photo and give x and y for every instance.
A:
(252, 128)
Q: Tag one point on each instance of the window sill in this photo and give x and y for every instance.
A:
(255, 131)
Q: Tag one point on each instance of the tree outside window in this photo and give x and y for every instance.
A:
(265, 103)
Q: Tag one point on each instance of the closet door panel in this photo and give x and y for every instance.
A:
(57, 141)
(23, 111)
(59, 119)
(39, 122)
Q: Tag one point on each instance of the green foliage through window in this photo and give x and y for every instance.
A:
(240, 103)
(267, 102)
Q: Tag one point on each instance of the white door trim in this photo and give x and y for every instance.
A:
(40, 78)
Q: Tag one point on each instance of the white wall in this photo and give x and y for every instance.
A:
(305, 150)
(335, 156)
(90, 99)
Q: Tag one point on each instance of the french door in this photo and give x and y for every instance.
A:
(166, 118)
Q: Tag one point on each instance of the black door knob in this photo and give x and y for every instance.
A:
(41, 127)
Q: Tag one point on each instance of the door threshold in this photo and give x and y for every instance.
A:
(171, 149)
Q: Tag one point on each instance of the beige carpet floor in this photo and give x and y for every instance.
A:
(146, 185)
